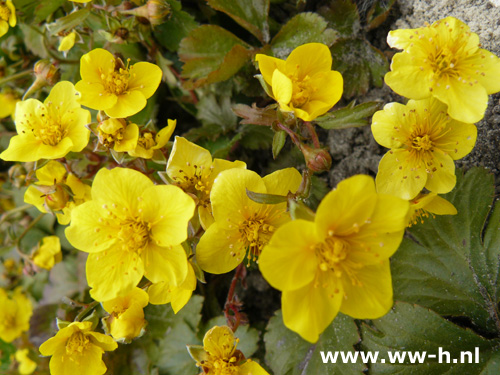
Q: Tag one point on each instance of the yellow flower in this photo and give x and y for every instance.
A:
(127, 315)
(192, 169)
(339, 262)
(50, 193)
(48, 253)
(219, 356)
(119, 90)
(8, 103)
(304, 83)
(424, 204)
(67, 42)
(443, 60)
(75, 349)
(146, 145)
(15, 314)
(242, 226)
(424, 141)
(51, 129)
(131, 228)
(26, 365)
(163, 292)
(7, 16)
(116, 134)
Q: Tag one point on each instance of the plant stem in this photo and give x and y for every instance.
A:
(28, 228)
(314, 136)
(86, 310)
(13, 77)
(231, 302)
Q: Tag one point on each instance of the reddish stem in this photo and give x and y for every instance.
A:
(314, 136)
(232, 304)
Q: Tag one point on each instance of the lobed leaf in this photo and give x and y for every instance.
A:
(348, 117)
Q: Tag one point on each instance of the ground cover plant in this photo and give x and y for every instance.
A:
(164, 201)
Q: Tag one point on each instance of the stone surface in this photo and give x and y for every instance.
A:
(355, 151)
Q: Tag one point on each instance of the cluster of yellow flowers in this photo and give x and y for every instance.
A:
(447, 77)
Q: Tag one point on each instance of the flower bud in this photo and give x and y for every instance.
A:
(155, 11)
(56, 200)
(317, 159)
(46, 73)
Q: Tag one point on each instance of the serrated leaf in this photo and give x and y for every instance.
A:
(360, 64)
(303, 28)
(342, 16)
(378, 13)
(251, 14)
(175, 331)
(348, 117)
(278, 142)
(68, 22)
(213, 110)
(288, 354)
(256, 137)
(212, 54)
(407, 328)
(256, 116)
(447, 266)
(178, 26)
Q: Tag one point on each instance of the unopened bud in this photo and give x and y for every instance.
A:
(56, 200)
(317, 159)
(46, 74)
(155, 11)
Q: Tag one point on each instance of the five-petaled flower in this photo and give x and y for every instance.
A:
(51, 129)
(243, 227)
(219, 356)
(131, 228)
(148, 143)
(7, 16)
(51, 193)
(424, 141)
(15, 314)
(115, 133)
(192, 169)
(119, 90)
(48, 252)
(443, 60)
(304, 83)
(76, 349)
(339, 262)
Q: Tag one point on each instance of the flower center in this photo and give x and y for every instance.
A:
(116, 82)
(302, 91)
(147, 141)
(109, 140)
(77, 343)
(134, 234)
(4, 12)
(331, 252)
(8, 322)
(444, 62)
(49, 131)
(255, 233)
(219, 366)
(423, 143)
(197, 184)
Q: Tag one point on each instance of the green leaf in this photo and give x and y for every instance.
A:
(408, 328)
(348, 117)
(278, 142)
(7, 351)
(211, 54)
(174, 332)
(256, 116)
(218, 111)
(178, 26)
(46, 8)
(342, 16)
(33, 39)
(251, 14)
(68, 22)
(378, 13)
(256, 137)
(288, 354)
(448, 266)
(266, 198)
(361, 64)
(301, 29)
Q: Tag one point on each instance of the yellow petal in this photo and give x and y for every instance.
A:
(184, 156)
(94, 64)
(165, 264)
(219, 250)
(401, 38)
(12, 16)
(104, 342)
(283, 181)
(145, 77)
(127, 104)
(310, 309)
(113, 272)
(440, 206)
(267, 66)
(62, 363)
(35, 197)
(94, 96)
(458, 141)
(485, 67)
(129, 141)
(346, 208)
(251, 368)
(308, 60)
(67, 42)
(400, 176)
(289, 261)
(385, 125)
(169, 210)
(282, 87)
(372, 298)
(75, 122)
(442, 179)
(164, 134)
(51, 173)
